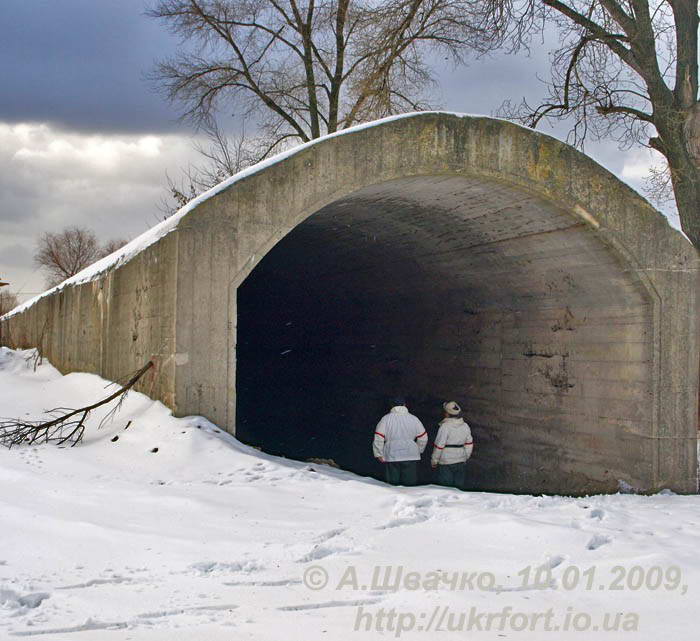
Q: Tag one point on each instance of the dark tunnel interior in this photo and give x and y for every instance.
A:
(445, 288)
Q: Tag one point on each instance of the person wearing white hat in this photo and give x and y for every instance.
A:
(399, 441)
(453, 447)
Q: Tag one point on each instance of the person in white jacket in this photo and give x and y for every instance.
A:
(399, 440)
(453, 447)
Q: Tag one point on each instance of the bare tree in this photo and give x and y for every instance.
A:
(303, 68)
(64, 254)
(221, 157)
(626, 70)
(8, 301)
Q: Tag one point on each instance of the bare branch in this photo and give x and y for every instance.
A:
(66, 425)
(638, 86)
(596, 31)
(223, 157)
(621, 109)
(356, 57)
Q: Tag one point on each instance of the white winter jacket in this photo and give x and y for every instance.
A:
(399, 436)
(455, 433)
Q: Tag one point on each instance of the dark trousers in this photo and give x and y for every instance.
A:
(402, 472)
(451, 475)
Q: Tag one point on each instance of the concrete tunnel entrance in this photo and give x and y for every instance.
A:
(449, 287)
(439, 255)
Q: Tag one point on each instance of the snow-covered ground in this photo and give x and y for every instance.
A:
(209, 539)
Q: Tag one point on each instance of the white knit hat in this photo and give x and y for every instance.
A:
(452, 408)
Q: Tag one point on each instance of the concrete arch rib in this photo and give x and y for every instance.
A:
(562, 304)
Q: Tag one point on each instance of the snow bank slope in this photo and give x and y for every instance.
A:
(210, 539)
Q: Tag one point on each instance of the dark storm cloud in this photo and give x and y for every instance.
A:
(80, 64)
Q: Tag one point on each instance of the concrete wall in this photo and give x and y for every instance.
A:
(111, 326)
(579, 357)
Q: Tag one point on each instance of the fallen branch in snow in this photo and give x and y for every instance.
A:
(67, 425)
(34, 358)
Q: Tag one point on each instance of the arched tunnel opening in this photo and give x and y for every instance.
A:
(449, 288)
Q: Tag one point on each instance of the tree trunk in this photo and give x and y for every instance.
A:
(686, 185)
(685, 174)
(679, 141)
(691, 132)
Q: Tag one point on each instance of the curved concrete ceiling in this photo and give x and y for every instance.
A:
(441, 287)
(519, 248)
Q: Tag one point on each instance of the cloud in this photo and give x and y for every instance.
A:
(44, 150)
(51, 179)
(636, 165)
(81, 65)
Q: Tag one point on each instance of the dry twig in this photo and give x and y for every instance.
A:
(66, 425)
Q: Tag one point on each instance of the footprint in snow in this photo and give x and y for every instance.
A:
(597, 514)
(208, 567)
(93, 582)
(20, 603)
(404, 520)
(551, 563)
(264, 584)
(325, 536)
(447, 500)
(327, 604)
(140, 619)
(554, 561)
(321, 552)
(597, 541)
(409, 512)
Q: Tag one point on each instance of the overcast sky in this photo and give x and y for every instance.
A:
(84, 139)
